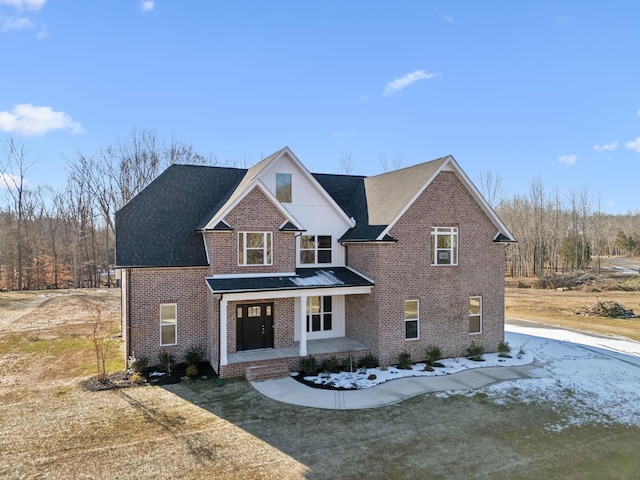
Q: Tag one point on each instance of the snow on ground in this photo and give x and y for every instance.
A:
(584, 378)
(364, 378)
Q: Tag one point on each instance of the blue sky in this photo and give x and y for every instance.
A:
(545, 89)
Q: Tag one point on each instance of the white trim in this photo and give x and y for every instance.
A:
(228, 207)
(175, 322)
(417, 320)
(223, 331)
(312, 179)
(479, 315)
(316, 250)
(250, 275)
(361, 274)
(267, 294)
(267, 250)
(206, 250)
(451, 165)
(303, 326)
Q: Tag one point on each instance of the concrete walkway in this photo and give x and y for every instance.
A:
(291, 391)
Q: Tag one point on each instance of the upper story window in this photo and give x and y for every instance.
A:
(315, 249)
(444, 245)
(475, 315)
(254, 248)
(168, 324)
(283, 187)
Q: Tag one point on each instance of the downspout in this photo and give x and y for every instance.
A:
(128, 319)
(219, 332)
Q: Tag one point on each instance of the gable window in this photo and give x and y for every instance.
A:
(283, 187)
(475, 315)
(411, 320)
(319, 314)
(315, 249)
(444, 245)
(168, 324)
(254, 248)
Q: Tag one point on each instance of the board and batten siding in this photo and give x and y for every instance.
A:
(309, 207)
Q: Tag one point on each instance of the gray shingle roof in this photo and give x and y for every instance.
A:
(158, 226)
(304, 278)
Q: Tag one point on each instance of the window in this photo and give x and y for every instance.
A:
(411, 319)
(315, 249)
(168, 324)
(254, 248)
(475, 315)
(283, 187)
(444, 246)
(319, 314)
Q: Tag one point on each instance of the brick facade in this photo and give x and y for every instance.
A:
(151, 287)
(403, 271)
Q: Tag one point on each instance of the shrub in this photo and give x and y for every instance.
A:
(404, 360)
(475, 352)
(433, 354)
(138, 364)
(136, 377)
(348, 364)
(504, 349)
(194, 356)
(331, 365)
(192, 370)
(368, 361)
(166, 361)
(309, 365)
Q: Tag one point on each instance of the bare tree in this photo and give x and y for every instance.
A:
(491, 188)
(13, 171)
(347, 164)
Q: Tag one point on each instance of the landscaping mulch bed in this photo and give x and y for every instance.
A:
(151, 376)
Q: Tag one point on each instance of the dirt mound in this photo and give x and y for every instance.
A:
(608, 309)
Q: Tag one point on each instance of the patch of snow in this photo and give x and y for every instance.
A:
(321, 278)
(157, 374)
(584, 378)
(360, 378)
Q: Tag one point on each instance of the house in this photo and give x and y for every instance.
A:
(264, 266)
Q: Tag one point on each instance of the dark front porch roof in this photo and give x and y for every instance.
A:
(305, 278)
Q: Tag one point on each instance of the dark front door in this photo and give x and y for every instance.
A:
(255, 326)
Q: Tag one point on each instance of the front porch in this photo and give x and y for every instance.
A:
(277, 362)
(314, 347)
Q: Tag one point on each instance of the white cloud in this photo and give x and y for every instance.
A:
(8, 180)
(340, 134)
(24, 4)
(448, 19)
(568, 159)
(32, 120)
(408, 79)
(634, 145)
(147, 6)
(8, 24)
(607, 147)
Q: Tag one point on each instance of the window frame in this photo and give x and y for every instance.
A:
(322, 313)
(316, 249)
(284, 189)
(450, 233)
(164, 323)
(267, 249)
(411, 319)
(477, 315)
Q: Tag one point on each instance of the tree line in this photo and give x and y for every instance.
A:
(65, 237)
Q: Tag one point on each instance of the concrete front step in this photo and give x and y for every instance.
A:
(266, 371)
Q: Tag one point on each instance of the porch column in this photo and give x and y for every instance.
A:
(223, 331)
(303, 326)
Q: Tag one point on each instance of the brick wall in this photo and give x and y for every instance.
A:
(151, 287)
(404, 272)
(255, 213)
